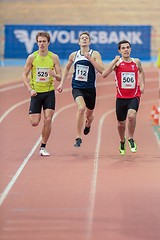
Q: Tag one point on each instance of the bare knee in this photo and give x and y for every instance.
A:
(121, 124)
(89, 115)
(47, 121)
(34, 123)
(81, 110)
(131, 118)
(34, 120)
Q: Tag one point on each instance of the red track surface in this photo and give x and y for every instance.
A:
(78, 194)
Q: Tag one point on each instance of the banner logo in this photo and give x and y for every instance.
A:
(21, 40)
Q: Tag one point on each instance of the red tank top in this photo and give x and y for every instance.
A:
(126, 77)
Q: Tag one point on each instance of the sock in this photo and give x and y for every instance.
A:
(43, 145)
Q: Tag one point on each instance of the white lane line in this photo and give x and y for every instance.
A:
(155, 132)
(95, 174)
(99, 83)
(19, 104)
(12, 108)
(65, 90)
(92, 196)
(11, 87)
(15, 177)
(20, 169)
(157, 136)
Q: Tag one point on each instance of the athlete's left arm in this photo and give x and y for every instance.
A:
(57, 72)
(141, 75)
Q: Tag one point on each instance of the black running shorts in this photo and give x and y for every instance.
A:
(45, 100)
(89, 96)
(124, 104)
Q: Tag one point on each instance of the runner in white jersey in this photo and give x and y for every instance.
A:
(83, 84)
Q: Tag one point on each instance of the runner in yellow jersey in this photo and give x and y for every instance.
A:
(40, 70)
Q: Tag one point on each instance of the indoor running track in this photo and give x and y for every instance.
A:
(85, 193)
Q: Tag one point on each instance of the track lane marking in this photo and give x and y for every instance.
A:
(92, 195)
(12, 108)
(20, 169)
(99, 82)
(15, 177)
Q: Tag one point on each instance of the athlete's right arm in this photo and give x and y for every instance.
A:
(96, 60)
(113, 64)
(66, 71)
(25, 74)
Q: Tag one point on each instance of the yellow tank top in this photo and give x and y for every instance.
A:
(40, 80)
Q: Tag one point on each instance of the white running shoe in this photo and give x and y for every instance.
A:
(43, 152)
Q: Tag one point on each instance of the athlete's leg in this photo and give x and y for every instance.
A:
(35, 111)
(90, 99)
(131, 123)
(121, 130)
(80, 115)
(48, 110)
(89, 117)
(46, 130)
(35, 119)
(121, 113)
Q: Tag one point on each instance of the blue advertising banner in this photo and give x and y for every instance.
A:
(20, 40)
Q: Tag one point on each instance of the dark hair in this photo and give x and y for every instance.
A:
(86, 33)
(43, 34)
(122, 42)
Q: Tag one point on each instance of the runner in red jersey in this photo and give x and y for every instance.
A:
(127, 79)
(130, 84)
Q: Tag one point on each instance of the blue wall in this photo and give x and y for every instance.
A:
(20, 40)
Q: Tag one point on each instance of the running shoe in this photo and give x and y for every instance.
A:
(86, 130)
(122, 147)
(78, 142)
(132, 145)
(43, 152)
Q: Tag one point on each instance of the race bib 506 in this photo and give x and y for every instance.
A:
(128, 80)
